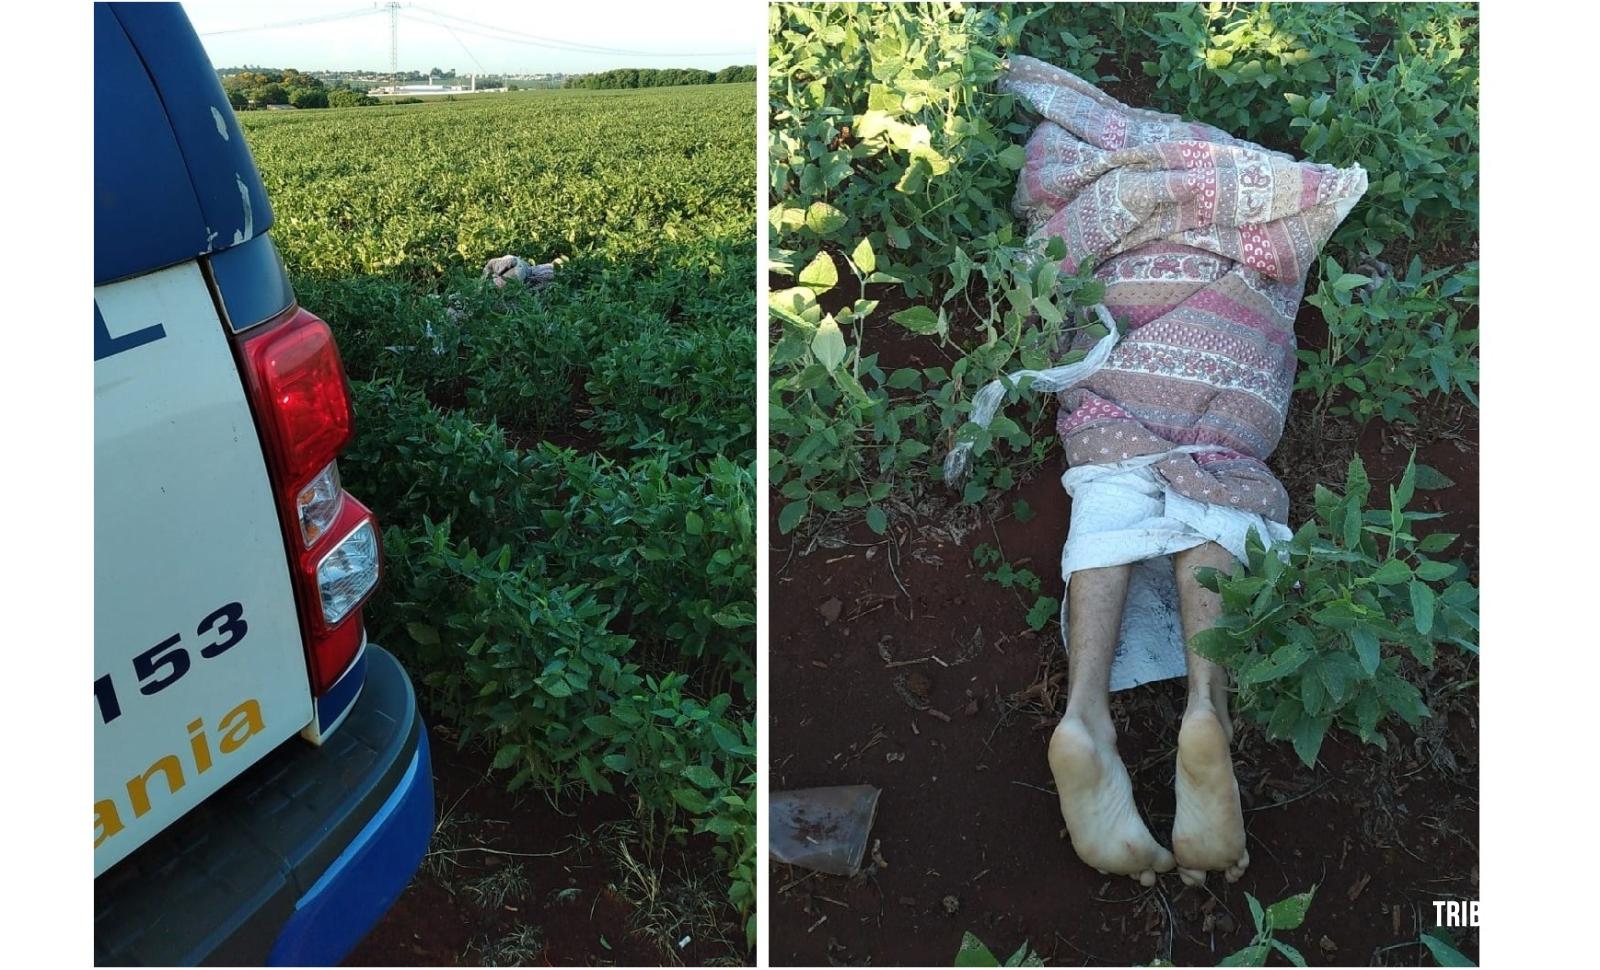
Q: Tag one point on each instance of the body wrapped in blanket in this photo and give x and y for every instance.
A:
(1204, 243)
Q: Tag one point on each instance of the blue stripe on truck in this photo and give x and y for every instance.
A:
(333, 705)
(252, 282)
(354, 892)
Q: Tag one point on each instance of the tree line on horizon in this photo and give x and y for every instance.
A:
(262, 87)
(253, 88)
(651, 77)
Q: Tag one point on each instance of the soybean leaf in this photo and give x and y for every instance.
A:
(974, 954)
(1366, 644)
(823, 219)
(917, 319)
(791, 515)
(1445, 954)
(1431, 479)
(703, 777)
(1392, 573)
(828, 344)
(1251, 956)
(1288, 914)
(864, 258)
(820, 274)
(1307, 737)
(1422, 601)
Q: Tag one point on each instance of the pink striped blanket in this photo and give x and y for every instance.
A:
(1204, 243)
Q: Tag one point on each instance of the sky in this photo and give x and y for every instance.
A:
(484, 37)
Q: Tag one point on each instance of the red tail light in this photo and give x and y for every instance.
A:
(302, 404)
(307, 399)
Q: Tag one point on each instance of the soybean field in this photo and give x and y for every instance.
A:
(565, 480)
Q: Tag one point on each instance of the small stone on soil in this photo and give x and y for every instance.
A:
(952, 905)
(920, 685)
(830, 609)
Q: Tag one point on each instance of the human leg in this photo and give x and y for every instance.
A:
(1208, 828)
(1092, 783)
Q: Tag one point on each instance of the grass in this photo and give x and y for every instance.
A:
(674, 905)
(521, 947)
(492, 890)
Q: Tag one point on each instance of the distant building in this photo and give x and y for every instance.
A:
(431, 88)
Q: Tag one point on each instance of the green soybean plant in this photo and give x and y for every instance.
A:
(1436, 941)
(1024, 582)
(893, 160)
(974, 953)
(847, 432)
(1285, 914)
(1231, 64)
(1409, 115)
(1330, 629)
(838, 444)
(1392, 342)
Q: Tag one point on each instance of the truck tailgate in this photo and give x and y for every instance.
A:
(293, 862)
(199, 665)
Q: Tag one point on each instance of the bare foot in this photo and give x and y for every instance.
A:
(1097, 803)
(1208, 831)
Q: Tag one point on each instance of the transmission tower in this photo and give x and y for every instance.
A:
(394, 39)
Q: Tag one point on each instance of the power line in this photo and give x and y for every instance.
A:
(567, 47)
(489, 31)
(502, 37)
(457, 39)
(292, 23)
(510, 35)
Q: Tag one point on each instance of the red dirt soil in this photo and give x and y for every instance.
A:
(574, 894)
(968, 831)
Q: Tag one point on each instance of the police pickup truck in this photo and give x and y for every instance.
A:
(261, 776)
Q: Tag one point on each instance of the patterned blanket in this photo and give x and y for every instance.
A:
(1204, 242)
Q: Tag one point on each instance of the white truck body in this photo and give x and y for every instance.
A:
(185, 525)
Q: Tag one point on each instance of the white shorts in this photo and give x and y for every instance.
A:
(1125, 513)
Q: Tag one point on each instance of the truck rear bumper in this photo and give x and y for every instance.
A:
(294, 861)
(366, 879)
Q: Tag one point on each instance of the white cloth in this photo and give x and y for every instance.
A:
(1125, 513)
(1052, 381)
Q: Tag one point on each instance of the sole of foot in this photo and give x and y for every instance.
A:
(1097, 805)
(1208, 827)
